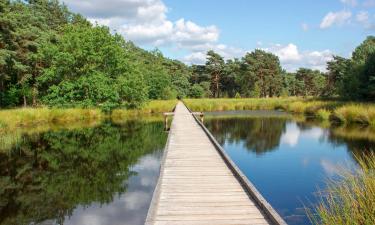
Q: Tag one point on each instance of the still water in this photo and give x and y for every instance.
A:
(89, 174)
(288, 159)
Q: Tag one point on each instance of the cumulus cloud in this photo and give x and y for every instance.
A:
(335, 18)
(198, 56)
(156, 34)
(132, 10)
(145, 22)
(292, 58)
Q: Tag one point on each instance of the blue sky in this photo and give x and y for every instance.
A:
(302, 33)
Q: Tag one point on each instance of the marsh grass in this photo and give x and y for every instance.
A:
(156, 106)
(356, 113)
(324, 110)
(27, 117)
(323, 114)
(350, 199)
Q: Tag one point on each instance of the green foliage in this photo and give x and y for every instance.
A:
(51, 56)
(215, 66)
(354, 78)
(196, 91)
(89, 67)
(261, 74)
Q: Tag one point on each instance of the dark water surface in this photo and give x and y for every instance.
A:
(288, 161)
(102, 174)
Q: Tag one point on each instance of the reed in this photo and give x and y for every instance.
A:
(356, 113)
(350, 199)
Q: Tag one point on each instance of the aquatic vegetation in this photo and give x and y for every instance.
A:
(351, 199)
(323, 114)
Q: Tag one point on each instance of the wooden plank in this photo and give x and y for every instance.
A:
(196, 186)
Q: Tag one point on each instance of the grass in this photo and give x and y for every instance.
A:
(333, 111)
(351, 199)
(26, 117)
(156, 106)
(356, 113)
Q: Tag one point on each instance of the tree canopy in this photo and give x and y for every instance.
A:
(51, 56)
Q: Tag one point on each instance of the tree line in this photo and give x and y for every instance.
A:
(259, 74)
(51, 56)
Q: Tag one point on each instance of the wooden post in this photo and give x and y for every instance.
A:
(166, 128)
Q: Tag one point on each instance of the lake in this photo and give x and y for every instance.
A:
(288, 159)
(89, 174)
(105, 172)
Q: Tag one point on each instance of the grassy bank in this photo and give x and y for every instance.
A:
(351, 200)
(27, 117)
(156, 106)
(334, 111)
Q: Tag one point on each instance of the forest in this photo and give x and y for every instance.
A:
(50, 56)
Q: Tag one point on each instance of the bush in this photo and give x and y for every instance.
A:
(196, 91)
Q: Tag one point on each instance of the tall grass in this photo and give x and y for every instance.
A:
(334, 111)
(156, 106)
(356, 113)
(351, 200)
(26, 117)
(225, 104)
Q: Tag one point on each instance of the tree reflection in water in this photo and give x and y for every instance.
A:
(47, 175)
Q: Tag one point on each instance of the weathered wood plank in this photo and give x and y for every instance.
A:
(196, 186)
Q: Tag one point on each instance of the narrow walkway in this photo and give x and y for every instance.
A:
(196, 186)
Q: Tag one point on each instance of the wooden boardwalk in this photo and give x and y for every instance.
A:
(196, 185)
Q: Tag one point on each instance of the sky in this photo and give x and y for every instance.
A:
(303, 33)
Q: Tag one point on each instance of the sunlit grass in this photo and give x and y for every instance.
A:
(351, 199)
(26, 117)
(335, 111)
(356, 113)
(156, 106)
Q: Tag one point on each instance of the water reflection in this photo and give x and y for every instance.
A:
(91, 175)
(289, 159)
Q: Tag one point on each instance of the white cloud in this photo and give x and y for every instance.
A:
(349, 2)
(189, 33)
(133, 10)
(362, 17)
(156, 34)
(198, 56)
(335, 18)
(292, 59)
(145, 22)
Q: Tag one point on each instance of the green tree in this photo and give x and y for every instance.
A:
(89, 67)
(261, 68)
(215, 66)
